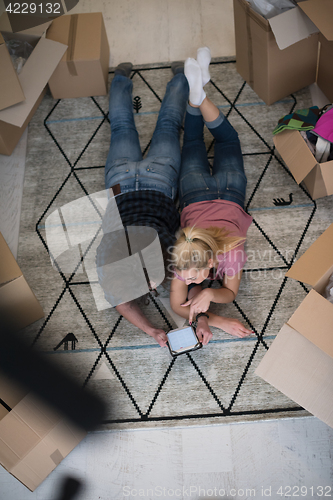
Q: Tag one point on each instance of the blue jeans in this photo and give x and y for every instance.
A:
(159, 171)
(228, 180)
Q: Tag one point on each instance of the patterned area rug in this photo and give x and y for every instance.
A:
(67, 148)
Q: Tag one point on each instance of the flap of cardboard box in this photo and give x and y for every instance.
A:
(327, 173)
(35, 30)
(23, 427)
(10, 88)
(316, 264)
(19, 306)
(47, 454)
(314, 320)
(302, 371)
(291, 26)
(37, 415)
(10, 393)
(257, 18)
(295, 153)
(34, 439)
(33, 78)
(9, 268)
(321, 13)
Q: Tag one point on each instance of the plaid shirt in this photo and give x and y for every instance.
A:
(153, 209)
(140, 208)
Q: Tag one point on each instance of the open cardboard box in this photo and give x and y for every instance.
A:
(317, 177)
(20, 95)
(279, 56)
(83, 69)
(18, 304)
(299, 362)
(33, 438)
(11, 91)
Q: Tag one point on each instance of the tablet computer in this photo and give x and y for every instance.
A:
(183, 340)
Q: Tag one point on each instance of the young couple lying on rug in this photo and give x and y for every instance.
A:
(213, 222)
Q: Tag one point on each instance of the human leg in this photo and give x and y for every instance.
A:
(165, 140)
(228, 167)
(194, 154)
(164, 153)
(196, 183)
(194, 77)
(125, 145)
(203, 58)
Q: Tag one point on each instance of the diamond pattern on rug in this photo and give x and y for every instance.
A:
(113, 358)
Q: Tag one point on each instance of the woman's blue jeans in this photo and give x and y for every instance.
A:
(159, 171)
(227, 180)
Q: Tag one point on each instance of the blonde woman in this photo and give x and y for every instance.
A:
(213, 221)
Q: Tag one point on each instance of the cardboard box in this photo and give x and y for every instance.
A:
(299, 362)
(21, 94)
(10, 88)
(321, 13)
(11, 91)
(317, 177)
(18, 304)
(279, 56)
(83, 69)
(33, 438)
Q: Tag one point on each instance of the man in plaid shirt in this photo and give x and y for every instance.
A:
(148, 187)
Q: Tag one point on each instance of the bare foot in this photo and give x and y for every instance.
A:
(233, 326)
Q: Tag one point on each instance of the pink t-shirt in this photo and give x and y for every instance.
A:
(224, 214)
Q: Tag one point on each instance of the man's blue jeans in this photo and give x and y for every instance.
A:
(159, 171)
(228, 180)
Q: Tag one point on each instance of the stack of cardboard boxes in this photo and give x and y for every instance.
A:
(77, 71)
(290, 51)
(299, 362)
(281, 55)
(277, 57)
(33, 438)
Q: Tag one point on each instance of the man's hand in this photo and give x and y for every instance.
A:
(159, 335)
(234, 327)
(203, 331)
(132, 312)
(199, 303)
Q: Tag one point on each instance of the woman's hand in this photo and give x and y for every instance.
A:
(199, 303)
(203, 331)
(234, 327)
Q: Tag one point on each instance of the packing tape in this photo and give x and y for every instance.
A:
(71, 45)
(57, 457)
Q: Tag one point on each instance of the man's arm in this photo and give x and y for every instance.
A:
(132, 312)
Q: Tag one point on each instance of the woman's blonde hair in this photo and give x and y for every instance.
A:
(195, 246)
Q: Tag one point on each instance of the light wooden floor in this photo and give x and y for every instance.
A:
(238, 461)
(259, 456)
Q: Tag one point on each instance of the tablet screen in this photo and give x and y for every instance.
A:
(183, 338)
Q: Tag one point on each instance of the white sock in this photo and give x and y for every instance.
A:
(203, 58)
(194, 77)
